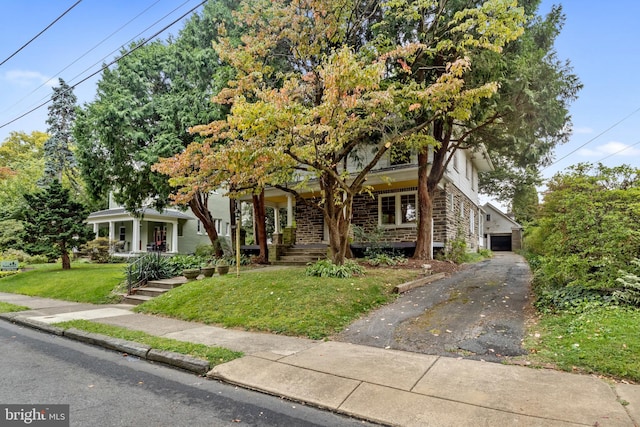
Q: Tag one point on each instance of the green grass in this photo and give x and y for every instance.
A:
(92, 283)
(281, 301)
(5, 307)
(602, 340)
(215, 355)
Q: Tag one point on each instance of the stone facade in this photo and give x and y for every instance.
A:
(454, 215)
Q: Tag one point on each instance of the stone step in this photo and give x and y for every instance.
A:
(136, 299)
(300, 258)
(151, 291)
(291, 263)
(174, 282)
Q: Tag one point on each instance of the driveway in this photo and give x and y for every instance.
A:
(478, 313)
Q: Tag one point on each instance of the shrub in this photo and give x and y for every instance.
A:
(16, 254)
(98, 250)
(384, 259)
(151, 266)
(177, 263)
(326, 268)
(629, 294)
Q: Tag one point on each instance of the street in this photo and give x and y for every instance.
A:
(105, 388)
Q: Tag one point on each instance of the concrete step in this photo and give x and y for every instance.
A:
(174, 282)
(136, 299)
(151, 291)
(291, 263)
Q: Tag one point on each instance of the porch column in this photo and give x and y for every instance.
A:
(95, 229)
(174, 236)
(289, 210)
(276, 218)
(135, 238)
(111, 232)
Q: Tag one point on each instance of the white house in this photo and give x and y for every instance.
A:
(171, 231)
(501, 232)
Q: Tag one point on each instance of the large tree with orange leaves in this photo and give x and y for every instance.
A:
(316, 101)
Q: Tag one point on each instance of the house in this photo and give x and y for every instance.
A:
(170, 231)
(501, 232)
(391, 205)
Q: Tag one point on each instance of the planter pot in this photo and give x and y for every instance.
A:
(191, 273)
(222, 269)
(208, 271)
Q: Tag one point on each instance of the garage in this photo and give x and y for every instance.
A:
(500, 243)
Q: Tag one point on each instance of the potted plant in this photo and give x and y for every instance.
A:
(191, 273)
(208, 270)
(222, 266)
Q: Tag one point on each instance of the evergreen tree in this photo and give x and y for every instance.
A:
(54, 223)
(58, 150)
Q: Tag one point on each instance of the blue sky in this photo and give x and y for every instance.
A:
(601, 41)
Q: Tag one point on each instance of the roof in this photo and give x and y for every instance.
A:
(499, 212)
(146, 211)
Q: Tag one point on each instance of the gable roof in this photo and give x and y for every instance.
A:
(489, 206)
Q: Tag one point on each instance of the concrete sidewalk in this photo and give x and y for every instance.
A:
(386, 386)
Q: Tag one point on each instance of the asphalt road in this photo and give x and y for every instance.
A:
(105, 388)
(478, 313)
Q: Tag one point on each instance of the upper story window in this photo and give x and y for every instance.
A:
(397, 209)
(456, 166)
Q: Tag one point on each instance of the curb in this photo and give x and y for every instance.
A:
(170, 358)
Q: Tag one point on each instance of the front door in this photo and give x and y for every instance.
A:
(160, 238)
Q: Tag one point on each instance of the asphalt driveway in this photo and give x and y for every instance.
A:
(478, 313)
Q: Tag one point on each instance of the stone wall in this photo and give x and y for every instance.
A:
(309, 223)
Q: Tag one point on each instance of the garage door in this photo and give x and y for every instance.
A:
(501, 243)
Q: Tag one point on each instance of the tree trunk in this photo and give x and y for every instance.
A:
(424, 242)
(198, 205)
(66, 261)
(260, 219)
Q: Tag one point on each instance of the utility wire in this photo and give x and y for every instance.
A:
(618, 152)
(40, 33)
(104, 67)
(87, 52)
(104, 57)
(593, 139)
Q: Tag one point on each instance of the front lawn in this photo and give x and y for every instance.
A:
(602, 340)
(280, 301)
(92, 283)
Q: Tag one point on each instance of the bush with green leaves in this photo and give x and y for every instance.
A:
(99, 250)
(326, 268)
(150, 266)
(586, 234)
(629, 292)
(177, 263)
(384, 259)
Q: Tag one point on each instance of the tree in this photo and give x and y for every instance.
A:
(588, 226)
(22, 160)
(524, 205)
(343, 92)
(523, 118)
(54, 223)
(59, 149)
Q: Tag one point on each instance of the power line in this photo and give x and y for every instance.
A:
(40, 33)
(593, 139)
(93, 48)
(104, 67)
(618, 152)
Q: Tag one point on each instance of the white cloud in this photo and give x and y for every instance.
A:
(28, 78)
(611, 148)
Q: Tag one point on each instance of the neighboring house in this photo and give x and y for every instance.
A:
(502, 233)
(392, 203)
(171, 231)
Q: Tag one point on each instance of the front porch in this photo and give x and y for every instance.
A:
(151, 232)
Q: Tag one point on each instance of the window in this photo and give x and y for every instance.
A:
(121, 234)
(472, 221)
(199, 227)
(217, 223)
(467, 170)
(398, 209)
(488, 217)
(455, 160)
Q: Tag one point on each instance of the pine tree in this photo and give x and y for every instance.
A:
(59, 149)
(54, 223)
